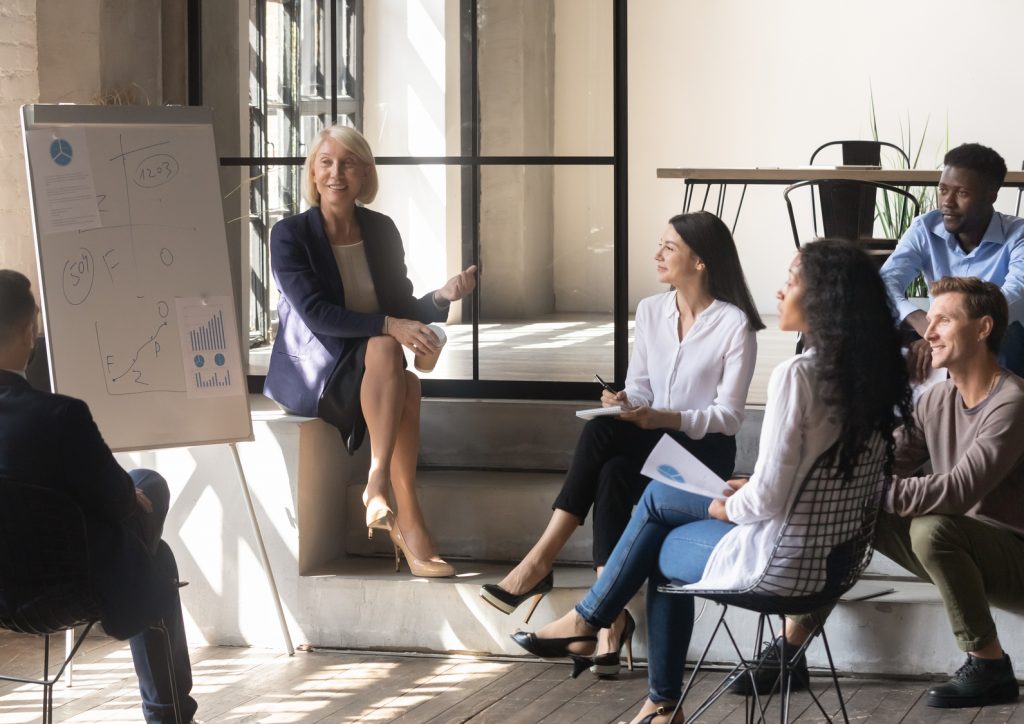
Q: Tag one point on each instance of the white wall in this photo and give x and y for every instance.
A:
(745, 83)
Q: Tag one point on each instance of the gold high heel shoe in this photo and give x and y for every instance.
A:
(378, 515)
(423, 569)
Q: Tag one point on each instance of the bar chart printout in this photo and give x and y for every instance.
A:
(209, 345)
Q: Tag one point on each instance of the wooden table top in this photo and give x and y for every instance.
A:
(786, 176)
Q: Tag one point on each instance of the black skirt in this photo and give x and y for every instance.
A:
(339, 404)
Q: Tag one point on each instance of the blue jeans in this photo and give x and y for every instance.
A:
(148, 647)
(1011, 351)
(669, 537)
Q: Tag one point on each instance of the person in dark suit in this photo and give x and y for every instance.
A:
(50, 440)
(346, 310)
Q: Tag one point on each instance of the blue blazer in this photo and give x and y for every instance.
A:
(52, 441)
(314, 327)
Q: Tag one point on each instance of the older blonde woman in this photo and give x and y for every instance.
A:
(346, 311)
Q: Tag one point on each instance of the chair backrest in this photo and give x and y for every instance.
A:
(826, 540)
(848, 211)
(45, 567)
(863, 153)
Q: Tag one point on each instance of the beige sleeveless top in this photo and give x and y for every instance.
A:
(360, 294)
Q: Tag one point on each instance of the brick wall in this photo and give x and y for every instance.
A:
(19, 84)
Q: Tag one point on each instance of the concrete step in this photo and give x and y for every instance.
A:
(485, 515)
(303, 486)
(525, 434)
(480, 515)
(902, 633)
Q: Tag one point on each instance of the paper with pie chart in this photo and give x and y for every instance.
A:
(208, 344)
(63, 180)
(672, 464)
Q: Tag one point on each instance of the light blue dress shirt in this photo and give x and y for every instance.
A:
(929, 249)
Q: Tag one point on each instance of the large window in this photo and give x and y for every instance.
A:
(303, 76)
(499, 134)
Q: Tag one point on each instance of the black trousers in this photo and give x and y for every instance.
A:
(605, 473)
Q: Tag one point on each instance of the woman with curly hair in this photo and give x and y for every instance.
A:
(833, 398)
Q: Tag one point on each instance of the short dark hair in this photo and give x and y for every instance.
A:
(981, 299)
(981, 159)
(17, 305)
(711, 240)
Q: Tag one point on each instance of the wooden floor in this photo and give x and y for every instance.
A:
(258, 685)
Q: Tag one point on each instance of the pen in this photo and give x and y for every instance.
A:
(605, 384)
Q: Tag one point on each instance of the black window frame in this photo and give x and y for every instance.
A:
(471, 162)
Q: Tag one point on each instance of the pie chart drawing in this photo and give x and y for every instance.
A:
(60, 152)
(671, 473)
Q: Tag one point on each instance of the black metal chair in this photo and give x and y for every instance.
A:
(854, 153)
(820, 552)
(848, 212)
(862, 153)
(46, 585)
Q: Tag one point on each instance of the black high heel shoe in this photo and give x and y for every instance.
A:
(609, 664)
(556, 649)
(662, 710)
(508, 602)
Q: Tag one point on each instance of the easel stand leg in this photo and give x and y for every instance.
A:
(69, 646)
(263, 551)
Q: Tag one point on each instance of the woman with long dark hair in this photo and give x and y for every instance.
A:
(835, 397)
(693, 358)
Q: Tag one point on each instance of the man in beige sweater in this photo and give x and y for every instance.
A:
(961, 526)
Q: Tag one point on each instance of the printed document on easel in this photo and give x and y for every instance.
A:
(672, 464)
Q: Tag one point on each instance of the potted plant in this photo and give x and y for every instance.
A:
(894, 215)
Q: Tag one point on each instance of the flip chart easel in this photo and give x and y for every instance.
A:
(135, 283)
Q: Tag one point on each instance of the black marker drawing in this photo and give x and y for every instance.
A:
(137, 376)
(155, 171)
(110, 262)
(79, 274)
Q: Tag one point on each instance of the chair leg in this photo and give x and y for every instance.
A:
(785, 680)
(719, 690)
(835, 676)
(47, 688)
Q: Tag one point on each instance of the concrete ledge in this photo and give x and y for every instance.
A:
(528, 435)
(904, 634)
(302, 483)
(480, 515)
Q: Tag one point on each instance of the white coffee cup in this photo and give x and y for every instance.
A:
(425, 362)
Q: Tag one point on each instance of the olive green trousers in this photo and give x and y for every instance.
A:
(974, 565)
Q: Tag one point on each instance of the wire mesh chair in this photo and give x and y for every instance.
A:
(46, 584)
(824, 545)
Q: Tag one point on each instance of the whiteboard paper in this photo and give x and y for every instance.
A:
(672, 464)
(109, 293)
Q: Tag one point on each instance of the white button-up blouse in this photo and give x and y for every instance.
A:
(705, 377)
(798, 427)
